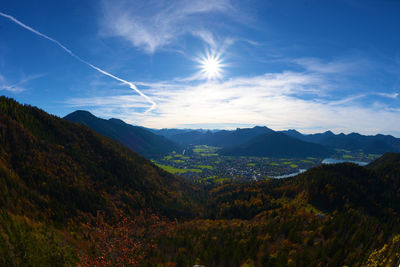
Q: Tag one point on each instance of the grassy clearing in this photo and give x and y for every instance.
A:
(221, 180)
(309, 208)
(251, 164)
(208, 154)
(342, 150)
(205, 167)
(205, 149)
(176, 170)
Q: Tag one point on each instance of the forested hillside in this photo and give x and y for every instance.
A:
(332, 215)
(53, 172)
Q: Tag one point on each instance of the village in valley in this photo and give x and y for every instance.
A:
(203, 164)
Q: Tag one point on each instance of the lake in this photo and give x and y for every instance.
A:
(334, 161)
(325, 161)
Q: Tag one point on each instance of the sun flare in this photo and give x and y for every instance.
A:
(211, 67)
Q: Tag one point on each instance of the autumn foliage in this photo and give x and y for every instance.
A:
(125, 242)
(55, 175)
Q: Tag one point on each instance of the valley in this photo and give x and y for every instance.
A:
(203, 164)
(245, 154)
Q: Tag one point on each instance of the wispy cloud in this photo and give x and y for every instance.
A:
(341, 66)
(352, 99)
(17, 87)
(150, 25)
(389, 95)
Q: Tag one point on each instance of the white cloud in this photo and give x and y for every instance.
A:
(17, 87)
(273, 99)
(150, 25)
(332, 67)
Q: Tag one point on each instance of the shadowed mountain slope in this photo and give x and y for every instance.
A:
(137, 138)
(223, 138)
(276, 144)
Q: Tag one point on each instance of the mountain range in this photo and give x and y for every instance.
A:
(374, 144)
(377, 144)
(219, 138)
(256, 141)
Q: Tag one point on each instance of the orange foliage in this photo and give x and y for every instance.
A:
(125, 242)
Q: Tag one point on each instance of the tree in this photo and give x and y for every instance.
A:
(125, 242)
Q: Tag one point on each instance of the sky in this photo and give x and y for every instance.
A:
(285, 64)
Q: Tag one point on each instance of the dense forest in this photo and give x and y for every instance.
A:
(72, 196)
(56, 175)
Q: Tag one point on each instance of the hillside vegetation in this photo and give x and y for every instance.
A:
(70, 195)
(331, 215)
(53, 173)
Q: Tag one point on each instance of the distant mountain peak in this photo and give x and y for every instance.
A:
(137, 138)
(276, 144)
(329, 132)
(293, 131)
(81, 113)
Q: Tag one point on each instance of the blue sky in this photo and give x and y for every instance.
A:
(308, 65)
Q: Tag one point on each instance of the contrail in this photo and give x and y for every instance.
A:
(131, 85)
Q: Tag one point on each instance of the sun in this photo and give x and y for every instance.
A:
(211, 66)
